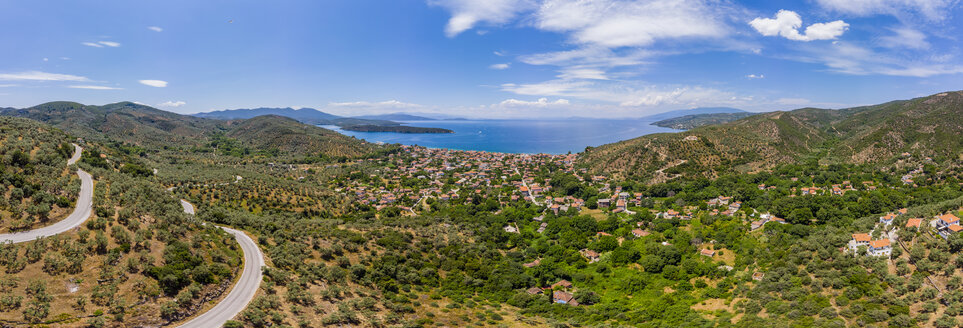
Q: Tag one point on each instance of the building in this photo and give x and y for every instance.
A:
(707, 252)
(887, 219)
(880, 248)
(859, 239)
(639, 233)
(947, 224)
(590, 255)
(560, 297)
(914, 223)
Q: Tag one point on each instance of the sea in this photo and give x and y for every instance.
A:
(516, 136)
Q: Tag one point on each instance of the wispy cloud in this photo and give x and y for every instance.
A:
(170, 103)
(101, 44)
(787, 24)
(934, 10)
(155, 28)
(93, 87)
(755, 76)
(466, 14)
(905, 37)
(41, 76)
(154, 83)
(541, 102)
(501, 66)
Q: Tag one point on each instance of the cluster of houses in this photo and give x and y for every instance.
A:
(452, 175)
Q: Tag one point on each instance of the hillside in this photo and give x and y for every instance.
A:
(37, 188)
(693, 111)
(126, 121)
(689, 122)
(290, 136)
(929, 126)
(144, 126)
(138, 260)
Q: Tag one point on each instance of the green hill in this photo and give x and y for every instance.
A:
(929, 126)
(693, 121)
(287, 135)
(144, 126)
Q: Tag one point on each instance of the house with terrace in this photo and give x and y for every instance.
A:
(947, 224)
(880, 247)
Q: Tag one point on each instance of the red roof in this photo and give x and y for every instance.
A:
(913, 223)
(861, 237)
(879, 243)
(949, 218)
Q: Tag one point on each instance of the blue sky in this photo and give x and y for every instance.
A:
(479, 58)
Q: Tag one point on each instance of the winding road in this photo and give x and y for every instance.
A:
(80, 214)
(242, 293)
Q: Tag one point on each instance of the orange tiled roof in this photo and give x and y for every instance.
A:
(861, 237)
(879, 243)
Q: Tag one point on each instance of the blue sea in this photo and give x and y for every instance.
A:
(516, 136)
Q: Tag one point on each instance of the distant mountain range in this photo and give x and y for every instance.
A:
(694, 111)
(922, 127)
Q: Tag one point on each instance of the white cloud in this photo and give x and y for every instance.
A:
(382, 104)
(934, 10)
(846, 58)
(755, 76)
(155, 28)
(41, 76)
(93, 87)
(172, 104)
(572, 73)
(905, 37)
(154, 83)
(500, 66)
(628, 94)
(8, 85)
(468, 13)
(101, 44)
(787, 24)
(621, 23)
(541, 102)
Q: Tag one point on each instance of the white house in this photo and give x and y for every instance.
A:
(880, 248)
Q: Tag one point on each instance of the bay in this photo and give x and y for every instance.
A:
(516, 136)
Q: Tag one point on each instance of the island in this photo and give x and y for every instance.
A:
(394, 128)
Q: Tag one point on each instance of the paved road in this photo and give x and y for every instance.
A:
(84, 206)
(242, 293)
(76, 157)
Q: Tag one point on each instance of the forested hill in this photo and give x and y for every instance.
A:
(124, 121)
(693, 121)
(290, 136)
(926, 127)
(145, 126)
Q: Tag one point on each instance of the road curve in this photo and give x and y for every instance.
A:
(242, 293)
(85, 202)
(76, 157)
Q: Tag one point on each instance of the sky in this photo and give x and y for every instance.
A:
(479, 58)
